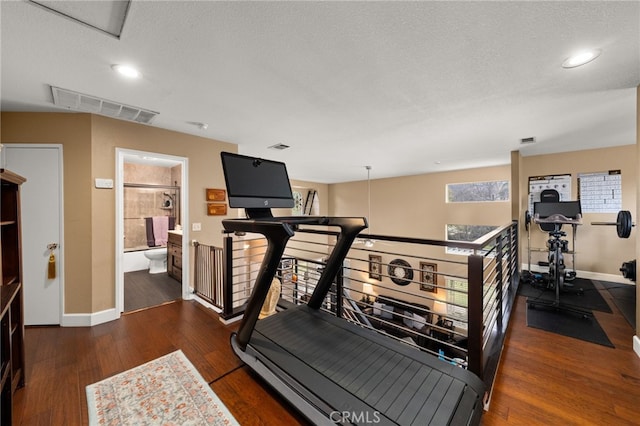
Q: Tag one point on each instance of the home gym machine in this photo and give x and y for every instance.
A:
(558, 214)
(332, 370)
(541, 279)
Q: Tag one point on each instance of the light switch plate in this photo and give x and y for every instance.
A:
(104, 183)
(196, 227)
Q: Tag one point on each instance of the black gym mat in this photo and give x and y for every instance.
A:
(588, 298)
(567, 324)
(624, 297)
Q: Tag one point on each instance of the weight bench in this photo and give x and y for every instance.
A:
(329, 369)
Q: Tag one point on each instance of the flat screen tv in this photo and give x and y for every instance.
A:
(569, 209)
(256, 183)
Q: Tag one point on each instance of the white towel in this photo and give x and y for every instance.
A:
(160, 230)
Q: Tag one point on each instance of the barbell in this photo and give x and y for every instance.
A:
(527, 219)
(623, 223)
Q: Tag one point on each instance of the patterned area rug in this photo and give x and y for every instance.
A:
(165, 391)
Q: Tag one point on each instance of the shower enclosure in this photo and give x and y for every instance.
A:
(143, 202)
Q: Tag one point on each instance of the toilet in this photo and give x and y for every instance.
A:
(157, 260)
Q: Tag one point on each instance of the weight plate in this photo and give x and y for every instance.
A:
(527, 220)
(624, 224)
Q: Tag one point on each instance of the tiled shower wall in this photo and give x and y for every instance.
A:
(140, 203)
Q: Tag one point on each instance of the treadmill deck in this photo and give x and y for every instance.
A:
(343, 368)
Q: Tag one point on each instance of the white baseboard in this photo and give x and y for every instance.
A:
(89, 320)
(96, 318)
(205, 303)
(636, 345)
(217, 310)
(231, 320)
(614, 278)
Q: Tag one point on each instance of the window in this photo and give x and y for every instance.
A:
(457, 301)
(306, 202)
(478, 191)
(466, 233)
(298, 206)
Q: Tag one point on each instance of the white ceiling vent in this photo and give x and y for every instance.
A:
(106, 16)
(526, 141)
(87, 103)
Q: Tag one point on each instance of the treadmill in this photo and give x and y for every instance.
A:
(332, 370)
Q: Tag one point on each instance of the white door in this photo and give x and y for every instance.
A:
(41, 207)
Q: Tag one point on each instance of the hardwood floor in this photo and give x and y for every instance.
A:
(61, 362)
(543, 378)
(548, 379)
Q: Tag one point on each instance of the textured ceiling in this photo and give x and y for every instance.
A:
(406, 87)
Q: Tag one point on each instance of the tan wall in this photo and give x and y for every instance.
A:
(73, 131)
(89, 144)
(598, 247)
(404, 206)
(414, 206)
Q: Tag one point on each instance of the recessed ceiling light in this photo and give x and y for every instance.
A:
(199, 124)
(581, 58)
(279, 146)
(127, 71)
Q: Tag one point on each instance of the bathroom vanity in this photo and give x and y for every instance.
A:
(174, 255)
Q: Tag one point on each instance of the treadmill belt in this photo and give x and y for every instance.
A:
(403, 384)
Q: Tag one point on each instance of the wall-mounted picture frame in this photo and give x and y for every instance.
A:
(429, 277)
(286, 263)
(400, 272)
(375, 267)
(216, 194)
(216, 209)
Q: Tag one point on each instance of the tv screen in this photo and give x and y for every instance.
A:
(569, 209)
(255, 182)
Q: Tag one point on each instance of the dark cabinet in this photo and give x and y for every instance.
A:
(174, 256)
(11, 303)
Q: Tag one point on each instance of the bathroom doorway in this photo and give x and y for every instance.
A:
(151, 208)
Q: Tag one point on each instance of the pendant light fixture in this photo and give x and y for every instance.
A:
(368, 242)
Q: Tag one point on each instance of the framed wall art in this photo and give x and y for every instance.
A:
(429, 277)
(400, 272)
(375, 267)
(216, 209)
(214, 194)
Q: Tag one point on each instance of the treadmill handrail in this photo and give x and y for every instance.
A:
(278, 231)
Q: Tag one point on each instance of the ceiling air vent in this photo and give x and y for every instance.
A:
(87, 103)
(279, 146)
(526, 141)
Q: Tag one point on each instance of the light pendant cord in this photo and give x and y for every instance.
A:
(369, 195)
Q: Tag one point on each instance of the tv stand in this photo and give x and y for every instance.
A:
(258, 213)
